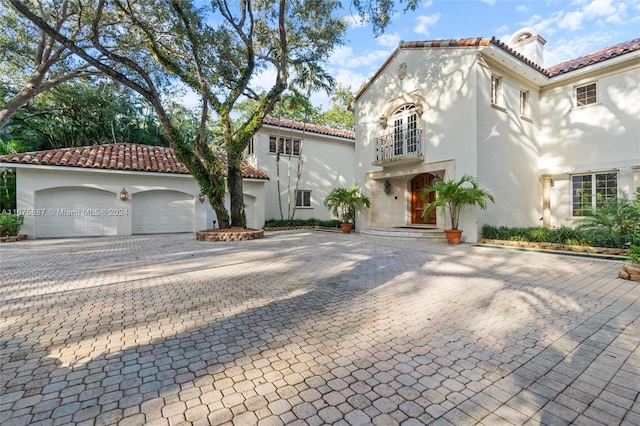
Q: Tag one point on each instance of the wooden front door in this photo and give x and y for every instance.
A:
(417, 199)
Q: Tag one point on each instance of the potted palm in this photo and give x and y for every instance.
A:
(451, 196)
(344, 202)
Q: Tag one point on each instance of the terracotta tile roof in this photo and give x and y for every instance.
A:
(116, 156)
(595, 57)
(312, 128)
(567, 66)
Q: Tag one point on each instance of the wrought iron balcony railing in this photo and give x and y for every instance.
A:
(404, 144)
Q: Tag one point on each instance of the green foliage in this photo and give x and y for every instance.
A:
(10, 224)
(617, 216)
(634, 255)
(453, 195)
(561, 235)
(85, 112)
(285, 223)
(344, 202)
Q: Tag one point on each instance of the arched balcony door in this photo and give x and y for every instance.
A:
(417, 201)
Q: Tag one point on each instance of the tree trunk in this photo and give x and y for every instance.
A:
(234, 179)
(17, 102)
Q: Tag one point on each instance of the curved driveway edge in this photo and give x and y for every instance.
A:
(312, 328)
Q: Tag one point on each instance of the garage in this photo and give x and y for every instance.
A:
(74, 212)
(117, 189)
(163, 211)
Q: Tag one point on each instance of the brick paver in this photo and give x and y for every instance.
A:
(312, 328)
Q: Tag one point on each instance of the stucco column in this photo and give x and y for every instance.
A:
(546, 201)
(636, 178)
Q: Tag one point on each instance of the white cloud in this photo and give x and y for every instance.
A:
(355, 21)
(345, 57)
(489, 2)
(565, 49)
(424, 22)
(571, 21)
(427, 4)
(389, 40)
(600, 8)
(522, 8)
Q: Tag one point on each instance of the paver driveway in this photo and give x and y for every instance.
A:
(313, 328)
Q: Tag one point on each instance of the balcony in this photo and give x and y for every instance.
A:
(399, 146)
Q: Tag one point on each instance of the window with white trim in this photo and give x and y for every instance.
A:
(250, 147)
(303, 198)
(405, 130)
(524, 103)
(496, 90)
(590, 191)
(285, 146)
(586, 95)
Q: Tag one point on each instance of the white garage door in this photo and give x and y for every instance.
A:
(75, 212)
(159, 212)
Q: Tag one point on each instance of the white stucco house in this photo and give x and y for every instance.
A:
(324, 156)
(117, 189)
(545, 141)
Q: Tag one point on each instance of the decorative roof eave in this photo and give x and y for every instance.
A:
(593, 58)
(308, 127)
(115, 157)
(608, 53)
(450, 43)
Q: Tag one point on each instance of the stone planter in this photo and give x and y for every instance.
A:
(230, 234)
(630, 272)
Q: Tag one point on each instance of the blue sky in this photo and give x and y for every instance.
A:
(571, 28)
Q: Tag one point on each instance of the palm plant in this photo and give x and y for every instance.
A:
(453, 195)
(345, 201)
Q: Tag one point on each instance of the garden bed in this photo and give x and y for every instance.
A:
(302, 227)
(558, 247)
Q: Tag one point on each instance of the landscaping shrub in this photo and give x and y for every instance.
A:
(286, 223)
(561, 235)
(634, 254)
(615, 224)
(10, 224)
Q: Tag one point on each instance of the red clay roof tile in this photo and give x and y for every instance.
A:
(595, 57)
(117, 156)
(564, 67)
(307, 127)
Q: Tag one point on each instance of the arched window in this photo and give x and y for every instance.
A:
(405, 130)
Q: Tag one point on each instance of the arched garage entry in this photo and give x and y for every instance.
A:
(74, 212)
(162, 211)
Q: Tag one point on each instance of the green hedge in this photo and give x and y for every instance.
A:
(10, 224)
(561, 235)
(286, 223)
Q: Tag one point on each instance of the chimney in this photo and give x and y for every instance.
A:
(529, 44)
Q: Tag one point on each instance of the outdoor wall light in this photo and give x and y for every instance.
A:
(436, 179)
(201, 197)
(124, 195)
(387, 187)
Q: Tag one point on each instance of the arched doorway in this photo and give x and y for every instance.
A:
(417, 201)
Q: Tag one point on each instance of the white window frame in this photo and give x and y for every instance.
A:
(525, 103)
(582, 100)
(306, 199)
(284, 146)
(251, 147)
(595, 196)
(496, 90)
